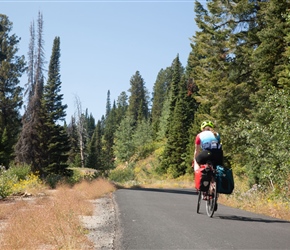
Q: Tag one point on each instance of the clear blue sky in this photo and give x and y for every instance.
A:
(103, 43)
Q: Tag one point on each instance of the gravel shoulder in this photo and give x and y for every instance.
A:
(103, 225)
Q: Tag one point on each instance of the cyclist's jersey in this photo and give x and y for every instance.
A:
(207, 140)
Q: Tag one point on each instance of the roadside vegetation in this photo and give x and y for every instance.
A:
(34, 216)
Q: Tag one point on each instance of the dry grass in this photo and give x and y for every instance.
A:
(51, 221)
(256, 201)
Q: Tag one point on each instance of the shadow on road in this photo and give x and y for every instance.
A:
(165, 190)
(243, 218)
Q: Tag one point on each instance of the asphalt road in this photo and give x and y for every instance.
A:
(167, 219)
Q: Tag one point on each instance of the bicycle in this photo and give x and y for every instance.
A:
(210, 196)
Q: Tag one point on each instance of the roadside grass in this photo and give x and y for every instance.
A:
(50, 221)
(257, 201)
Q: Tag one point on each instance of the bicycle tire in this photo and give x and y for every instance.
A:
(211, 203)
(198, 201)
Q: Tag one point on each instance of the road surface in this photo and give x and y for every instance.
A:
(167, 219)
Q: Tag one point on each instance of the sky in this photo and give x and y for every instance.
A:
(104, 43)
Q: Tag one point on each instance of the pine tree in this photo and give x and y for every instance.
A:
(91, 161)
(121, 107)
(54, 137)
(175, 156)
(108, 139)
(72, 132)
(11, 69)
(268, 57)
(160, 93)
(285, 70)
(108, 104)
(138, 100)
(174, 88)
(90, 125)
(94, 159)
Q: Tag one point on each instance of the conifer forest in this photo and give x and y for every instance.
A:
(237, 75)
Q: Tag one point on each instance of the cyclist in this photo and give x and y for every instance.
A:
(208, 146)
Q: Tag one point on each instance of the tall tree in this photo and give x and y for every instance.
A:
(108, 104)
(54, 136)
(90, 124)
(108, 139)
(122, 106)
(177, 72)
(94, 159)
(268, 57)
(28, 149)
(138, 100)
(160, 93)
(175, 158)
(73, 155)
(11, 69)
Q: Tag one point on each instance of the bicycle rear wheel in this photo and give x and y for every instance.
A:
(211, 202)
(198, 201)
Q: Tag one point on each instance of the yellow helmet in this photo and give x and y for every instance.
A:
(205, 124)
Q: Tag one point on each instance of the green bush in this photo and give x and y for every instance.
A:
(7, 180)
(53, 179)
(122, 175)
(20, 171)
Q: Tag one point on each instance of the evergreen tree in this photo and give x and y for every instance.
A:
(174, 159)
(11, 69)
(54, 136)
(91, 161)
(73, 154)
(94, 159)
(177, 71)
(138, 100)
(160, 93)
(285, 70)
(108, 104)
(91, 125)
(108, 139)
(122, 106)
(268, 57)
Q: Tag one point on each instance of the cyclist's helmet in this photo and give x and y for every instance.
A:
(205, 124)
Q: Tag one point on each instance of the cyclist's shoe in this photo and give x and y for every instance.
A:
(215, 207)
(204, 196)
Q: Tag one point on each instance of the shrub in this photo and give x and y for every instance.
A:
(30, 182)
(10, 178)
(6, 183)
(122, 175)
(53, 179)
(20, 171)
